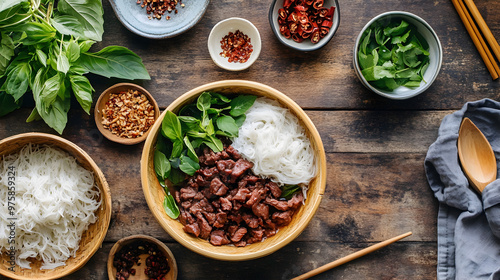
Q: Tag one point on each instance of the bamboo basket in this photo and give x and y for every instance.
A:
(155, 194)
(91, 239)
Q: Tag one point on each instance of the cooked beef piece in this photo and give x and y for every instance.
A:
(192, 228)
(261, 210)
(281, 205)
(240, 167)
(218, 238)
(282, 218)
(217, 187)
(225, 203)
(274, 188)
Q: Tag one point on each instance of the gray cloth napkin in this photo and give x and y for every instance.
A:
(468, 223)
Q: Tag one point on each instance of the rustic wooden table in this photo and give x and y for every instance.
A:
(376, 185)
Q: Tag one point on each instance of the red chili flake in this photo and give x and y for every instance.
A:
(157, 8)
(236, 47)
(303, 19)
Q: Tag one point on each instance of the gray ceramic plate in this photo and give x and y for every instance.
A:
(135, 19)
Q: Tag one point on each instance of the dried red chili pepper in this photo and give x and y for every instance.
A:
(157, 8)
(304, 19)
(236, 47)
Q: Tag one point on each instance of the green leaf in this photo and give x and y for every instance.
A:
(114, 61)
(177, 148)
(42, 57)
(73, 51)
(219, 98)
(85, 45)
(188, 166)
(88, 12)
(400, 39)
(376, 73)
(239, 120)
(6, 4)
(170, 207)
(51, 88)
(171, 126)
(241, 104)
(203, 103)
(190, 152)
(6, 52)
(62, 63)
(162, 165)
(217, 142)
(365, 41)
(17, 81)
(176, 176)
(396, 30)
(288, 191)
(36, 32)
(34, 116)
(82, 89)
(228, 124)
(68, 25)
(7, 103)
(14, 16)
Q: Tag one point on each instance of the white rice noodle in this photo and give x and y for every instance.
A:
(56, 200)
(273, 139)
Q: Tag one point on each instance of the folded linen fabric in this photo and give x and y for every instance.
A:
(468, 222)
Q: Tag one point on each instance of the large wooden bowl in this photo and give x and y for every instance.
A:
(154, 193)
(91, 238)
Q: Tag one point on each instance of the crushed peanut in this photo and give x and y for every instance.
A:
(128, 114)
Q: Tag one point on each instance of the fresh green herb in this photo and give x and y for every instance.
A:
(287, 191)
(44, 47)
(393, 54)
(170, 206)
(198, 124)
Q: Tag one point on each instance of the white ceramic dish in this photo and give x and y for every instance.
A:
(222, 29)
(135, 19)
(435, 55)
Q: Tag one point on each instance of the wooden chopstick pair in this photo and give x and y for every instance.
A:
(476, 36)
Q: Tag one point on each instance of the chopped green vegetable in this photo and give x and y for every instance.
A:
(393, 54)
(44, 48)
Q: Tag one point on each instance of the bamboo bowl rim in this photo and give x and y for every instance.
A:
(92, 238)
(154, 193)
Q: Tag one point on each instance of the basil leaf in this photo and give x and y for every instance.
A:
(73, 51)
(6, 4)
(88, 12)
(7, 103)
(177, 149)
(82, 89)
(217, 142)
(176, 176)
(239, 120)
(35, 32)
(68, 25)
(203, 102)
(396, 30)
(164, 145)
(114, 61)
(228, 124)
(162, 165)
(85, 45)
(17, 81)
(6, 52)
(14, 15)
(51, 89)
(188, 166)
(190, 152)
(376, 73)
(34, 116)
(241, 104)
(219, 98)
(170, 207)
(365, 41)
(42, 57)
(289, 190)
(171, 126)
(62, 63)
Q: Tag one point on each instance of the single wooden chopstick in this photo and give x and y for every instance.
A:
(481, 40)
(477, 39)
(484, 27)
(350, 257)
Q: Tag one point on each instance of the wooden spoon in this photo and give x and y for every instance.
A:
(476, 156)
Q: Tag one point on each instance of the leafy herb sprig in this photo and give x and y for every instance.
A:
(201, 124)
(44, 48)
(393, 54)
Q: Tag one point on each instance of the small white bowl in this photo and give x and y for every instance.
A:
(222, 29)
(435, 55)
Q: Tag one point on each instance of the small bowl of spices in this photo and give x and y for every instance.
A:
(141, 257)
(125, 112)
(234, 44)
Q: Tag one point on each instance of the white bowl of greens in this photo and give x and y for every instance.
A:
(397, 55)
